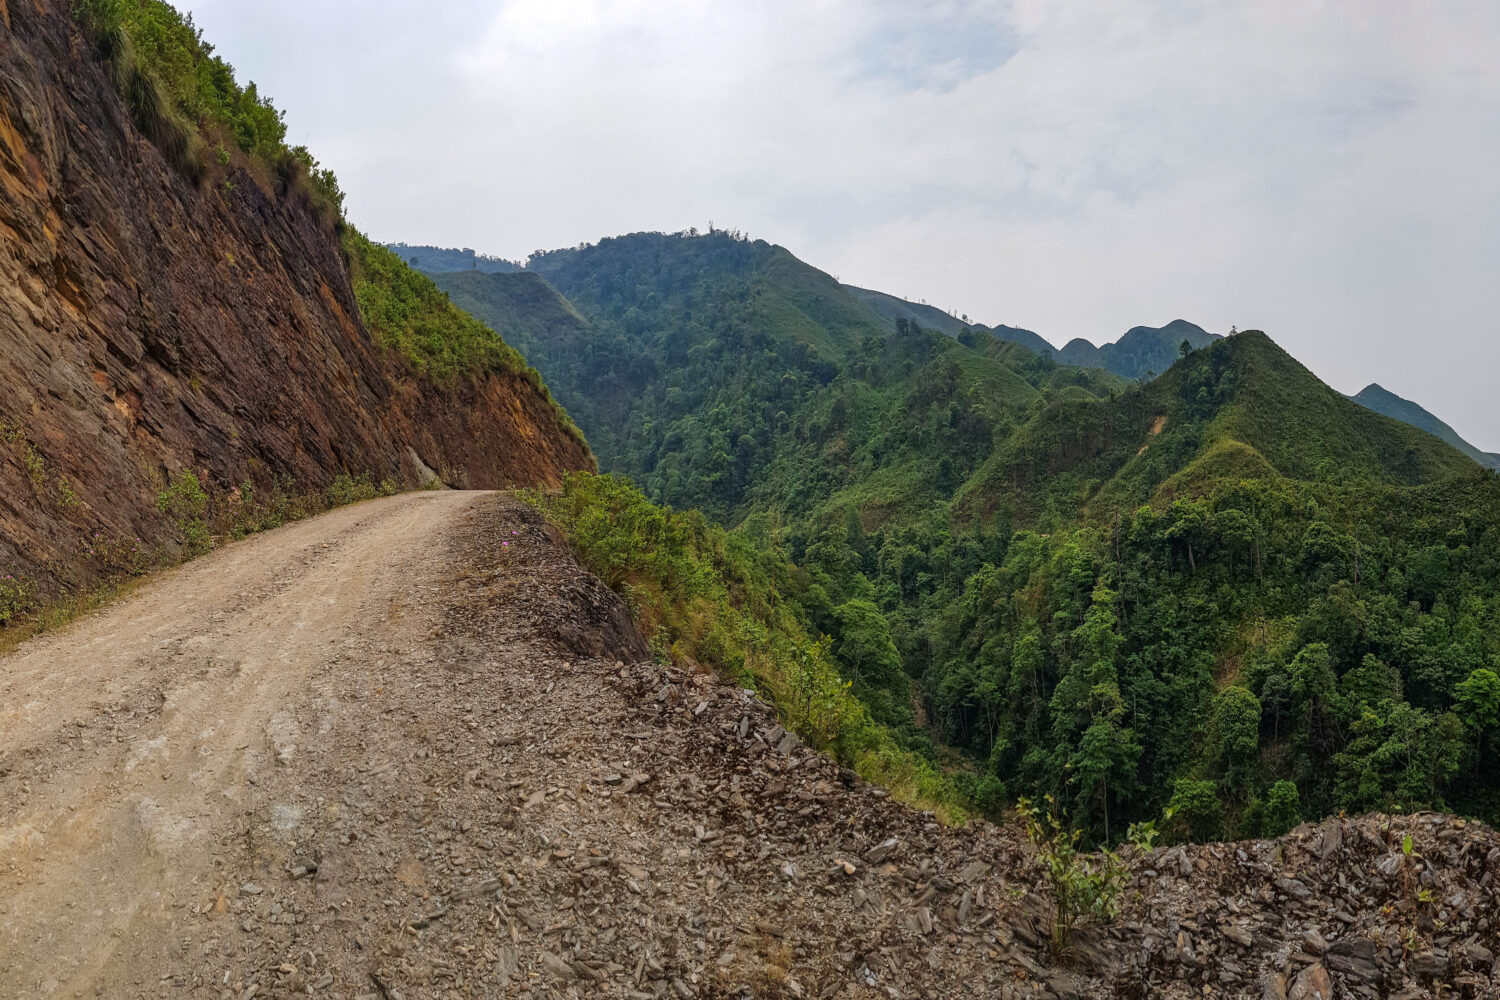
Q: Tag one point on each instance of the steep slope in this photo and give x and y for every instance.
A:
(164, 311)
(522, 307)
(892, 308)
(1387, 403)
(1141, 352)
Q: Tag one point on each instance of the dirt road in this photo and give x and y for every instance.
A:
(143, 749)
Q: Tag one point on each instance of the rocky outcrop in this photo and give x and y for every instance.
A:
(150, 325)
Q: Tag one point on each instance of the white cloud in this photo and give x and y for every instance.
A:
(1323, 170)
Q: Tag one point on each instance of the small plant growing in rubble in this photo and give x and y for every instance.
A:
(1409, 859)
(1142, 836)
(1083, 887)
(1420, 896)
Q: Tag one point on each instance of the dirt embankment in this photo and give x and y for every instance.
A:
(410, 750)
(150, 325)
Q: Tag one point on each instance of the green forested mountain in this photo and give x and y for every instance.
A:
(892, 308)
(441, 260)
(1229, 590)
(1381, 400)
(1144, 351)
(718, 372)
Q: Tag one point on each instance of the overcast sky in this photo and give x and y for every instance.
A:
(1327, 172)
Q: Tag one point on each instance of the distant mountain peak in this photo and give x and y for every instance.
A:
(1381, 400)
(1143, 351)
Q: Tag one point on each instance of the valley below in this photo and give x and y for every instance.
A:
(410, 749)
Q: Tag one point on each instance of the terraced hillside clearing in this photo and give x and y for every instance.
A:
(409, 749)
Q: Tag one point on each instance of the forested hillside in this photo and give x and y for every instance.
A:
(1228, 595)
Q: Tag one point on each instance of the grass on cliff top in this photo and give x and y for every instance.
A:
(188, 102)
(406, 313)
(705, 596)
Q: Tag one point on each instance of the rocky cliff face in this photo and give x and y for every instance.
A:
(150, 325)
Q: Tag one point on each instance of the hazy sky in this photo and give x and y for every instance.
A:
(1328, 172)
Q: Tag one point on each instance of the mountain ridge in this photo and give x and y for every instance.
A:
(928, 317)
(1141, 352)
(1381, 400)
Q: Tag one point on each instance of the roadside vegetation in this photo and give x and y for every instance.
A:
(716, 600)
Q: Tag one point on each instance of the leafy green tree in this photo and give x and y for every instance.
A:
(1315, 690)
(1104, 765)
(1369, 685)
(1398, 758)
(864, 648)
(1195, 803)
(1089, 715)
(1237, 729)
(1476, 701)
(1282, 809)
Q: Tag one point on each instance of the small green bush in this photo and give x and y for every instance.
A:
(348, 489)
(1083, 887)
(186, 504)
(112, 555)
(17, 597)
